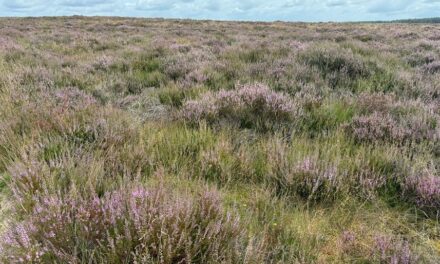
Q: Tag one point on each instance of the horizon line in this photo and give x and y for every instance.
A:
(404, 20)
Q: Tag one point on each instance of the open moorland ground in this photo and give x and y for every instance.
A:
(177, 141)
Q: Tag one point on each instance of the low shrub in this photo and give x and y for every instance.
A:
(423, 188)
(312, 181)
(308, 178)
(249, 106)
(432, 68)
(178, 66)
(406, 127)
(374, 127)
(375, 102)
(420, 59)
(392, 250)
(138, 225)
(336, 64)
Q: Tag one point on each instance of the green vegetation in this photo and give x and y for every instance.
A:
(168, 141)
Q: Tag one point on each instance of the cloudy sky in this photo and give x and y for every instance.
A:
(262, 10)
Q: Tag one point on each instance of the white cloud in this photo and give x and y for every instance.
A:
(389, 6)
(21, 4)
(82, 3)
(292, 10)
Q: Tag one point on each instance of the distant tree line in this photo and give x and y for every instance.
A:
(418, 20)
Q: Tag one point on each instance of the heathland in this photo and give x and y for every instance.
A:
(179, 141)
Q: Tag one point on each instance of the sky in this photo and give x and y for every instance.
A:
(254, 10)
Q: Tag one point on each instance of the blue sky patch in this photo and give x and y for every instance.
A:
(260, 10)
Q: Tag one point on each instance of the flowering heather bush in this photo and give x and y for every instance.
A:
(27, 180)
(369, 182)
(10, 47)
(347, 240)
(178, 67)
(423, 188)
(420, 59)
(432, 68)
(375, 127)
(102, 64)
(391, 250)
(375, 102)
(309, 97)
(382, 126)
(73, 99)
(336, 64)
(137, 225)
(309, 178)
(313, 182)
(248, 105)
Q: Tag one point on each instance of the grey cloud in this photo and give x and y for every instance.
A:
(389, 6)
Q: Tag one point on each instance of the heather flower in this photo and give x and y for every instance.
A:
(196, 76)
(260, 95)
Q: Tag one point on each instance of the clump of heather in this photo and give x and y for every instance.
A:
(369, 182)
(423, 188)
(375, 102)
(73, 99)
(347, 240)
(8, 44)
(308, 178)
(420, 58)
(384, 125)
(336, 64)
(432, 68)
(313, 181)
(134, 225)
(392, 250)
(250, 106)
(376, 126)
